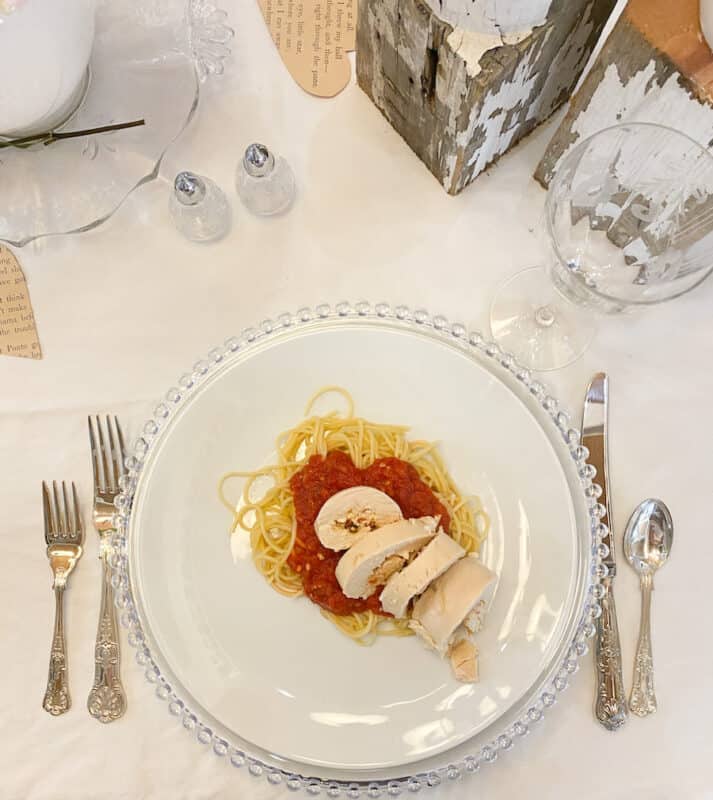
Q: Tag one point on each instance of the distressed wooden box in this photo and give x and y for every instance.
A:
(459, 97)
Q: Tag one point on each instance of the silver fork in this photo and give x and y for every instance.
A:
(107, 700)
(63, 535)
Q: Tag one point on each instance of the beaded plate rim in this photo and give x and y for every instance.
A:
(439, 327)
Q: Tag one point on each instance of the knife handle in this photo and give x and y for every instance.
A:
(610, 707)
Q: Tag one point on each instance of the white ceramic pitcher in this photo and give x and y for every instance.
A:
(44, 52)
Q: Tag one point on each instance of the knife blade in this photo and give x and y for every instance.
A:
(594, 438)
(610, 704)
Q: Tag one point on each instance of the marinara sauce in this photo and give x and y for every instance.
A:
(314, 484)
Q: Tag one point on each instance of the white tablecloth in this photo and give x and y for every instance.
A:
(124, 310)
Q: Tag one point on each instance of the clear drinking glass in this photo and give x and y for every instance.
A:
(629, 223)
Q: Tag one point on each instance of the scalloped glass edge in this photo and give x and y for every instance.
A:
(207, 39)
(208, 36)
(165, 410)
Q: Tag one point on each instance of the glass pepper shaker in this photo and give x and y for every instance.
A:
(265, 184)
(199, 208)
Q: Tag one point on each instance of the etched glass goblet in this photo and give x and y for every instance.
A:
(629, 223)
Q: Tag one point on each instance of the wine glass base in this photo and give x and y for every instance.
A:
(530, 320)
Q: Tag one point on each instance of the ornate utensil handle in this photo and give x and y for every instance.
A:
(57, 700)
(107, 700)
(610, 706)
(643, 698)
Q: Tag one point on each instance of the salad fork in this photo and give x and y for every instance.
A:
(63, 535)
(107, 700)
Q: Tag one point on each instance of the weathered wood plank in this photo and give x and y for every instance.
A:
(654, 67)
(462, 98)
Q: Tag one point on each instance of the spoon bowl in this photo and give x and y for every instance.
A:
(649, 536)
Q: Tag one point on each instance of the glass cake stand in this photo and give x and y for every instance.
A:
(148, 62)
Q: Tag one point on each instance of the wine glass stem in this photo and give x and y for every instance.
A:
(544, 316)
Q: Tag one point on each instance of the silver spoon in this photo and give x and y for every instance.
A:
(647, 545)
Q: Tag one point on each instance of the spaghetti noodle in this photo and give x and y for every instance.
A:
(266, 508)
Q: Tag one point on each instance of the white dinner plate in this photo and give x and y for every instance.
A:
(269, 672)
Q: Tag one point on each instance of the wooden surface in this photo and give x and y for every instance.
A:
(654, 67)
(461, 99)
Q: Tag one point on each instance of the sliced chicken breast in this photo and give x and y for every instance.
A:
(435, 558)
(374, 558)
(444, 606)
(463, 656)
(351, 513)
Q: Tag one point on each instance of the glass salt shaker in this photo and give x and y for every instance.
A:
(199, 208)
(265, 183)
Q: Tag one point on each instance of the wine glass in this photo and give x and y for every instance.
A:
(629, 222)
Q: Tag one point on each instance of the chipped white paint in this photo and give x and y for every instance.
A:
(566, 61)
(492, 17)
(707, 21)
(491, 115)
(471, 46)
(642, 99)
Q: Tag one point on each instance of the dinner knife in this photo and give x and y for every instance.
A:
(610, 704)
